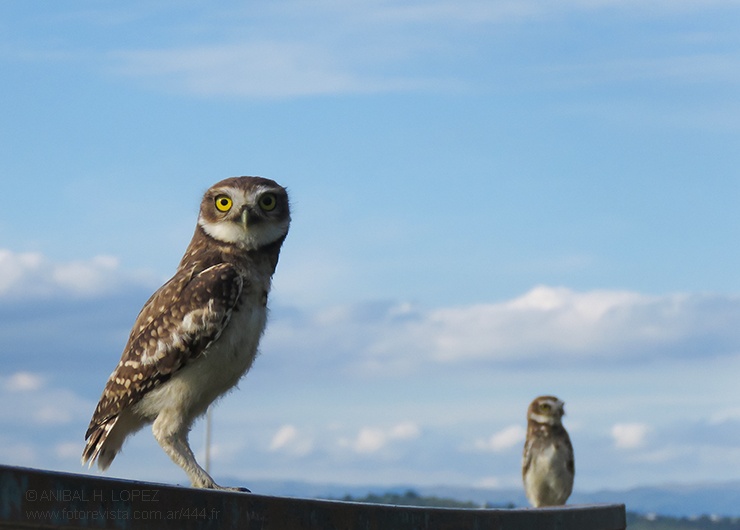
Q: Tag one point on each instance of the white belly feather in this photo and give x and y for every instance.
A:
(548, 478)
(218, 369)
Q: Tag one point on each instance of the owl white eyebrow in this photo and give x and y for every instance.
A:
(260, 190)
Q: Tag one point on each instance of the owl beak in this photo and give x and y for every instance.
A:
(245, 218)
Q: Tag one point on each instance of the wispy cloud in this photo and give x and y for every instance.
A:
(264, 69)
(302, 48)
(41, 404)
(75, 315)
(23, 382)
(32, 275)
(550, 324)
(288, 439)
(512, 436)
(371, 440)
(472, 12)
(687, 69)
(629, 435)
(478, 12)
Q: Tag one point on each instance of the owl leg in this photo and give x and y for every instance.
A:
(172, 436)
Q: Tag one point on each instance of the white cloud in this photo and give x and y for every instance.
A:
(13, 268)
(224, 451)
(86, 277)
(404, 431)
(664, 454)
(725, 415)
(549, 324)
(18, 453)
(306, 48)
(283, 436)
(68, 450)
(287, 439)
(661, 6)
(488, 483)
(512, 436)
(369, 440)
(470, 12)
(686, 69)
(42, 404)
(372, 439)
(30, 274)
(53, 414)
(23, 382)
(629, 435)
(264, 69)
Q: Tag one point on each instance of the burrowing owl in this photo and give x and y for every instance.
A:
(198, 334)
(548, 467)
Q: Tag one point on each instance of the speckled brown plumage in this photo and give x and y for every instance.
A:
(145, 364)
(225, 272)
(548, 465)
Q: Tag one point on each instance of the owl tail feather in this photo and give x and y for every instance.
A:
(97, 447)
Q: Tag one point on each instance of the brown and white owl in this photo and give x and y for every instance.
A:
(548, 467)
(198, 334)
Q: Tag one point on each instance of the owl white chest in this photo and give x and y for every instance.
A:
(549, 479)
(548, 460)
(227, 359)
(218, 369)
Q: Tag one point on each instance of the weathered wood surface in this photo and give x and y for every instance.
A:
(31, 498)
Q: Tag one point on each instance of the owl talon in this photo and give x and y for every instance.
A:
(237, 489)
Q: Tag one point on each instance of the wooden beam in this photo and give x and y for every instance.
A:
(31, 498)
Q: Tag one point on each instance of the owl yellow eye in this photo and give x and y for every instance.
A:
(268, 202)
(545, 407)
(223, 203)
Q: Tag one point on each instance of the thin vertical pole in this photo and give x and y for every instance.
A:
(208, 440)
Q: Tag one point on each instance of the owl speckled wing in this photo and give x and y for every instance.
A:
(175, 326)
(199, 334)
(527, 455)
(548, 465)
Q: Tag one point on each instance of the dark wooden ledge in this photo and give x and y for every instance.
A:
(31, 498)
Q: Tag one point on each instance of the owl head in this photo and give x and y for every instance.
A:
(249, 212)
(547, 410)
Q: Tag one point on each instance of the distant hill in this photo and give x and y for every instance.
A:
(676, 500)
(634, 521)
(693, 500)
(410, 498)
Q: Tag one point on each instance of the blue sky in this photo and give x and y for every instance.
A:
(491, 201)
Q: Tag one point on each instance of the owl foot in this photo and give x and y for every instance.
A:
(227, 488)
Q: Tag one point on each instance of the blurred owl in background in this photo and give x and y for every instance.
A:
(548, 466)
